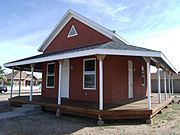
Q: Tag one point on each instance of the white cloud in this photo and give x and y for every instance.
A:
(167, 41)
(103, 7)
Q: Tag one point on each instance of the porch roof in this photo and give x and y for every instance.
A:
(110, 48)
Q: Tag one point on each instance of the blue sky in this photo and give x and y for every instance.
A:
(24, 24)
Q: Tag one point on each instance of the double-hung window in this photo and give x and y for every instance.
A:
(142, 75)
(89, 74)
(50, 75)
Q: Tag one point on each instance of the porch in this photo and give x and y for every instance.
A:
(134, 110)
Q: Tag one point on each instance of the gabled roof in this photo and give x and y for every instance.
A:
(65, 19)
(16, 75)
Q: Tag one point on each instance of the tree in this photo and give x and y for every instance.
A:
(2, 75)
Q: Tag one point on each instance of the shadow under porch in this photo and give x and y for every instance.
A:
(134, 110)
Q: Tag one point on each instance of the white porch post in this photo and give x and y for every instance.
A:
(19, 82)
(12, 76)
(101, 58)
(172, 84)
(159, 83)
(148, 81)
(31, 84)
(59, 87)
(165, 88)
(169, 85)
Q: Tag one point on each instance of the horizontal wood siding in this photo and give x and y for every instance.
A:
(86, 36)
(50, 92)
(115, 71)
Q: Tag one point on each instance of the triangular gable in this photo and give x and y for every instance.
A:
(66, 18)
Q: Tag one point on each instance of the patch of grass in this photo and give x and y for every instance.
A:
(167, 114)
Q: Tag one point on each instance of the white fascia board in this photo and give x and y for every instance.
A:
(84, 53)
(129, 53)
(65, 19)
(169, 63)
(53, 58)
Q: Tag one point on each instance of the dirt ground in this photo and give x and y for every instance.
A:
(166, 123)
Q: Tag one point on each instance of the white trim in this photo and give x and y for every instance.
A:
(159, 85)
(51, 63)
(65, 19)
(12, 78)
(72, 28)
(172, 84)
(169, 85)
(20, 72)
(101, 84)
(168, 62)
(130, 79)
(149, 84)
(91, 72)
(60, 80)
(86, 53)
(31, 83)
(165, 85)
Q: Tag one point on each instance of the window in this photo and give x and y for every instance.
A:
(72, 32)
(142, 75)
(50, 75)
(89, 74)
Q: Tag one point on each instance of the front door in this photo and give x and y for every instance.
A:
(65, 79)
(130, 79)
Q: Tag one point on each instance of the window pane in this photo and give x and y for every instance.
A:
(89, 81)
(90, 65)
(50, 81)
(50, 69)
(142, 75)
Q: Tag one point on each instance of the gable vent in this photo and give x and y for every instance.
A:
(72, 32)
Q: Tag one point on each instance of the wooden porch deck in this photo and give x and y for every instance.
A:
(134, 110)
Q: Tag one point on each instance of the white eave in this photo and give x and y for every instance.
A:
(84, 53)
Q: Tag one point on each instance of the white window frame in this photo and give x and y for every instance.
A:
(142, 69)
(90, 72)
(72, 27)
(52, 63)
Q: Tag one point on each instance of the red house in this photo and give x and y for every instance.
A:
(89, 70)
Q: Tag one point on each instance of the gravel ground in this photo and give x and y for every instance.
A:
(47, 123)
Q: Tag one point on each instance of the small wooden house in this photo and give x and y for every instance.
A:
(88, 67)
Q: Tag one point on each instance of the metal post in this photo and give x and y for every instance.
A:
(169, 85)
(149, 85)
(12, 76)
(19, 83)
(165, 86)
(100, 84)
(159, 86)
(172, 84)
(31, 89)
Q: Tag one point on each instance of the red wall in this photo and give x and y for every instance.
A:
(76, 82)
(115, 69)
(50, 92)
(86, 36)
(115, 80)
